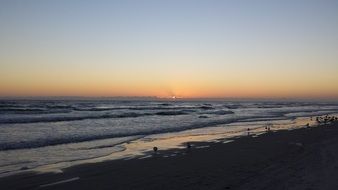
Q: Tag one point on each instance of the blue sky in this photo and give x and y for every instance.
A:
(192, 48)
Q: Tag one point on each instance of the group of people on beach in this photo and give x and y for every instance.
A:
(326, 119)
(321, 120)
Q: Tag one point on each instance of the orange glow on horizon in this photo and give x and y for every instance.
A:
(227, 49)
(189, 90)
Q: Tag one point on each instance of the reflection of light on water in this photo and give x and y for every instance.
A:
(142, 147)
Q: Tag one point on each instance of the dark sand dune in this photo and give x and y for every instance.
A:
(299, 159)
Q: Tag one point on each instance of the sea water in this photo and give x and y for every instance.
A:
(36, 133)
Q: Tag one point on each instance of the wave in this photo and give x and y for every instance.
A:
(68, 118)
(171, 113)
(213, 114)
(78, 118)
(219, 112)
(65, 109)
(16, 109)
(164, 112)
(32, 111)
(65, 140)
(136, 108)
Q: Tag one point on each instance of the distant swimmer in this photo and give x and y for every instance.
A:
(155, 149)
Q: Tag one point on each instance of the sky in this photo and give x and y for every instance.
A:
(165, 48)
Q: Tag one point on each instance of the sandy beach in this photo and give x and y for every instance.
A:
(305, 158)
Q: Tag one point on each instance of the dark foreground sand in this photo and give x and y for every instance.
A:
(298, 159)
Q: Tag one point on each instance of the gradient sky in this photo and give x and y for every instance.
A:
(186, 48)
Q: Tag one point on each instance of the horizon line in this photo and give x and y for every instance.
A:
(159, 98)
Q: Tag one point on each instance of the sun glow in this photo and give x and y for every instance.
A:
(273, 55)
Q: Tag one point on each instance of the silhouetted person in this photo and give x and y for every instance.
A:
(188, 145)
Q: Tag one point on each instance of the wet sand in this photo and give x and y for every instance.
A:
(299, 159)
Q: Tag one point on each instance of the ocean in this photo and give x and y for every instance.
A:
(35, 133)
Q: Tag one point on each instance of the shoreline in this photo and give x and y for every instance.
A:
(234, 165)
(140, 147)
